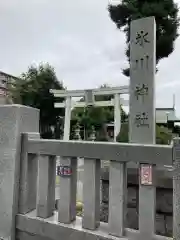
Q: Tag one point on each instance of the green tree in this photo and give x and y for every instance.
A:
(167, 21)
(88, 117)
(163, 136)
(33, 89)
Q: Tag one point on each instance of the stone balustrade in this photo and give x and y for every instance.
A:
(38, 165)
(27, 184)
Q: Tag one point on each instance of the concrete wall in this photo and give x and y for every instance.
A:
(164, 200)
(14, 120)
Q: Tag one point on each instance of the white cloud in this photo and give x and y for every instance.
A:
(79, 40)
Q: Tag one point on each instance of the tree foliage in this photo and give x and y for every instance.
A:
(167, 21)
(33, 89)
(163, 136)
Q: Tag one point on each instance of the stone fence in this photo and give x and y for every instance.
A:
(164, 198)
(27, 184)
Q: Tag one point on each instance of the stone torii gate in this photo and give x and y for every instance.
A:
(89, 95)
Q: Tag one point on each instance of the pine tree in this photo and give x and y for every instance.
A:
(167, 21)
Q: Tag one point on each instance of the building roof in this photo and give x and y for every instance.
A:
(166, 114)
(162, 115)
(7, 75)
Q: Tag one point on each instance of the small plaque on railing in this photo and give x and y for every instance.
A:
(146, 174)
(64, 171)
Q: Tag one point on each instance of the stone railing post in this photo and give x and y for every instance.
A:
(80, 166)
(117, 198)
(46, 186)
(14, 119)
(176, 189)
(67, 190)
(28, 176)
(91, 190)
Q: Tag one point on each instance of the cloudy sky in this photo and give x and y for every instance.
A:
(79, 40)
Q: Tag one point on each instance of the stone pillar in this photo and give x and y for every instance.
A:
(176, 189)
(117, 116)
(66, 135)
(67, 119)
(14, 119)
(142, 112)
(80, 167)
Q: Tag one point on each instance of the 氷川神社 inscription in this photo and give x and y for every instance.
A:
(141, 90)
(141, 120)
(140, 63)
(142, 38)
(142, 74)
